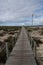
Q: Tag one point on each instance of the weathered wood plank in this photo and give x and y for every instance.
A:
(22, 53)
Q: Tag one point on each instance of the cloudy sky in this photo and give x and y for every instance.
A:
(19, 12)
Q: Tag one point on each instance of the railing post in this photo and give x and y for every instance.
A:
(12, 41)
(35, 50)
(31, 43)
(7, 52)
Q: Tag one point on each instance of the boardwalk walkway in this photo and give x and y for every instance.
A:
(22, 53)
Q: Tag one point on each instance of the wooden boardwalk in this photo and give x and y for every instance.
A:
(22, 53)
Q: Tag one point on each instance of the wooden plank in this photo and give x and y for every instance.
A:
(22, 53)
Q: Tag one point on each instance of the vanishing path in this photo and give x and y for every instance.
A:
(22, 53)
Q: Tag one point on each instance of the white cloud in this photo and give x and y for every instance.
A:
(38, 21)
(12, 10)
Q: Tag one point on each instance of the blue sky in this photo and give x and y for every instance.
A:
(19, 12)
